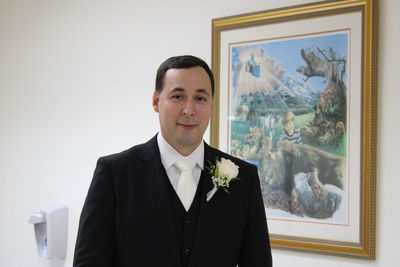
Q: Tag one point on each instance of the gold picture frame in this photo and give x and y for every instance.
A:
(270, 36)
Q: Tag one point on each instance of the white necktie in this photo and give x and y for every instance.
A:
(186, 188)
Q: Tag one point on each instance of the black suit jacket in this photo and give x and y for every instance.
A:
(127, 216)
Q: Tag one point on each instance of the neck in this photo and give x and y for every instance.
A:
(184, 150)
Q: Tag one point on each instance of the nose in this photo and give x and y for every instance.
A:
(189, 107)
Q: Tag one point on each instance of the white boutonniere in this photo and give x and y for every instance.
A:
(223, 172)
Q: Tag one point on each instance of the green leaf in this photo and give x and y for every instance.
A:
(226, 190)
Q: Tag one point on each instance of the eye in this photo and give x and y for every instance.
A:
(177, 97)
(201, 99)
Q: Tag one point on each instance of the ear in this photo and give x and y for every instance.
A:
(156, 99)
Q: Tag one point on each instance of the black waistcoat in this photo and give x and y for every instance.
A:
(186, 221)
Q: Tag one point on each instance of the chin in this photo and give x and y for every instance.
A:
(189, 142)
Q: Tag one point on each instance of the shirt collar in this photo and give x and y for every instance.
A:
(169, 155)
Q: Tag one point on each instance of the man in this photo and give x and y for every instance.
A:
(137, 212)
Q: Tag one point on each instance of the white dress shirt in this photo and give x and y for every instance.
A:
(169, 156)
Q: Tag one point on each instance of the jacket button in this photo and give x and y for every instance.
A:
(187, 252)
(187, 222)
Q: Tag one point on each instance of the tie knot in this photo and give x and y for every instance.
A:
(185, 164)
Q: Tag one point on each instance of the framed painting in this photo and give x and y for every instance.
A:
(296, 96)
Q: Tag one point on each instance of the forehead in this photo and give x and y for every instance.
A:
(188, 79)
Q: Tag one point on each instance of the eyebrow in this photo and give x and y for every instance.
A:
(201, 91)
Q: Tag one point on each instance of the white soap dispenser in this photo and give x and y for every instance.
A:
(51, 230)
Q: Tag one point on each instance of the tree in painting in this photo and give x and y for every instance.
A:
(329, 122)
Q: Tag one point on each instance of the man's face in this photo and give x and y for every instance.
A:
(185, 107)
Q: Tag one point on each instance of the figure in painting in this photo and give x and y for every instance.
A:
(253, 67)
(289, 133)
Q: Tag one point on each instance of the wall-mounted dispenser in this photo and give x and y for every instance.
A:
(51, 231)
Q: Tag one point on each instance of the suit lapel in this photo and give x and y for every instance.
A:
(155, 172)
(205, 175)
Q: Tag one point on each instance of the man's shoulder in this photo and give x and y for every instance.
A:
(140, 151)
(133, 151)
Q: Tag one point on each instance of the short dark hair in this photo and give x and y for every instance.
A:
(181, 62)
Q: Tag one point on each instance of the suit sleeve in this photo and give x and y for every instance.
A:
(255, 249)
(95, 240)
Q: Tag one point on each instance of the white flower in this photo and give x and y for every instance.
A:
(222, 173)
(226, 169)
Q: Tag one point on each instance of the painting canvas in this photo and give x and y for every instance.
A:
(288, 115)
(296, 96)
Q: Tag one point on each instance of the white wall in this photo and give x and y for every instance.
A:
(76, 79)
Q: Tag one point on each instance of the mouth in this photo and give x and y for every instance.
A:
(187, 126)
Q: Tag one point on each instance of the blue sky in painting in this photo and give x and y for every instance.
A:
(287, 52)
